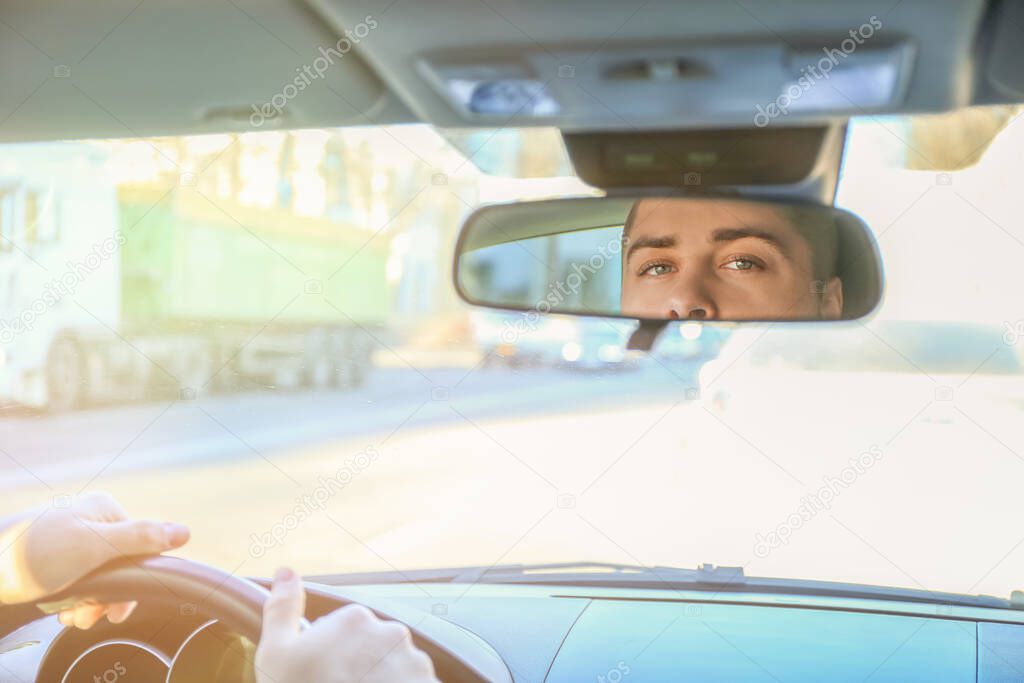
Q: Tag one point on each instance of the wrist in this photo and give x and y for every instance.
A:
(17, 575)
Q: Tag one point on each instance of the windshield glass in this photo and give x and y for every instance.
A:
(891, 346)
(257, 335)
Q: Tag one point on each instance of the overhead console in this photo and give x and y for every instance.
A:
(581, 65)
(753, 82)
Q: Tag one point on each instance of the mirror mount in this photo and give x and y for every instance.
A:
(800, 161)
(646, 333)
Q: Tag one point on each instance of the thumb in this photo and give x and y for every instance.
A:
(140, 537)
(284, 608)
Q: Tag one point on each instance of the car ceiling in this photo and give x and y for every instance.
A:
(125, 68)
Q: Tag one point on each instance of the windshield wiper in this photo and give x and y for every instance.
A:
(561, 573)
(593, 573)
(475, 574)
(707, 577)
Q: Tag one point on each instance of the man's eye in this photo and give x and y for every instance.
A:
(656, 269)
(741, 264)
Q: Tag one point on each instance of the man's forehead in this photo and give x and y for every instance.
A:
(704, 215)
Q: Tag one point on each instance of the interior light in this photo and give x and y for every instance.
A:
(504, 96)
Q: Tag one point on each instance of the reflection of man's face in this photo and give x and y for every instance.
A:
(720, 259)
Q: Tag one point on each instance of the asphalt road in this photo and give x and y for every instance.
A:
(426, 471)
(44, 450)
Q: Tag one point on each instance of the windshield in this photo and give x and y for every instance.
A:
(892, 346)
(257, 335)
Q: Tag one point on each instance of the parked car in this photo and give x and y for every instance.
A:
(599, 345)
(514, 340)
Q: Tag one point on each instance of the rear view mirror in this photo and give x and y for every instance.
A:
(667, 258)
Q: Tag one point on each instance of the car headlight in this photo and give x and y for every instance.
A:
(571, 351)
(690, 331)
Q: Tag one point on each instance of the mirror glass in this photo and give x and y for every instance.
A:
(670, 258)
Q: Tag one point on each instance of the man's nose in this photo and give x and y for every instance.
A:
(690, 299)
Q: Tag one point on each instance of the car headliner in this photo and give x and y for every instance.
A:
(125, 68)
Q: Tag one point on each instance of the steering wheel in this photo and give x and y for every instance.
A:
(173, 583)
(178, 584)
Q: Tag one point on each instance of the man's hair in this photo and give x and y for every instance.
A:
(819, 230)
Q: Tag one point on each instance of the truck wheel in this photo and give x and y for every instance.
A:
(318, 374)
(286, 378)
(195, 371)
(357, 374)
(228, 379)
(340, 376)
(64, 376)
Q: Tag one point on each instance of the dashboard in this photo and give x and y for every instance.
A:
(563, 634)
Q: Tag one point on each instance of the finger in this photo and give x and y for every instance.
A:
(284, 608)
(86, 616)
(395, 633)
(139, 537)
(118, 612)
(419, 664)
(354, 616)
(101, 506)
(351, 621)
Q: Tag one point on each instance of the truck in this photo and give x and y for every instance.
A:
(118, 292)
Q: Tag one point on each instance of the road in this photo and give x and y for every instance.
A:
(449, 469)
(47, 449)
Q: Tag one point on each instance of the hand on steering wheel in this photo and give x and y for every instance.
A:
(49, 548)
(349, 644)
(88, 559)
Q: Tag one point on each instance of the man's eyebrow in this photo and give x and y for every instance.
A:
(665, 242)
(733, 234)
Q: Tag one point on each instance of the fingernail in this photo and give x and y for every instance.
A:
(175, 534)
(119, 616)
(283, 575)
